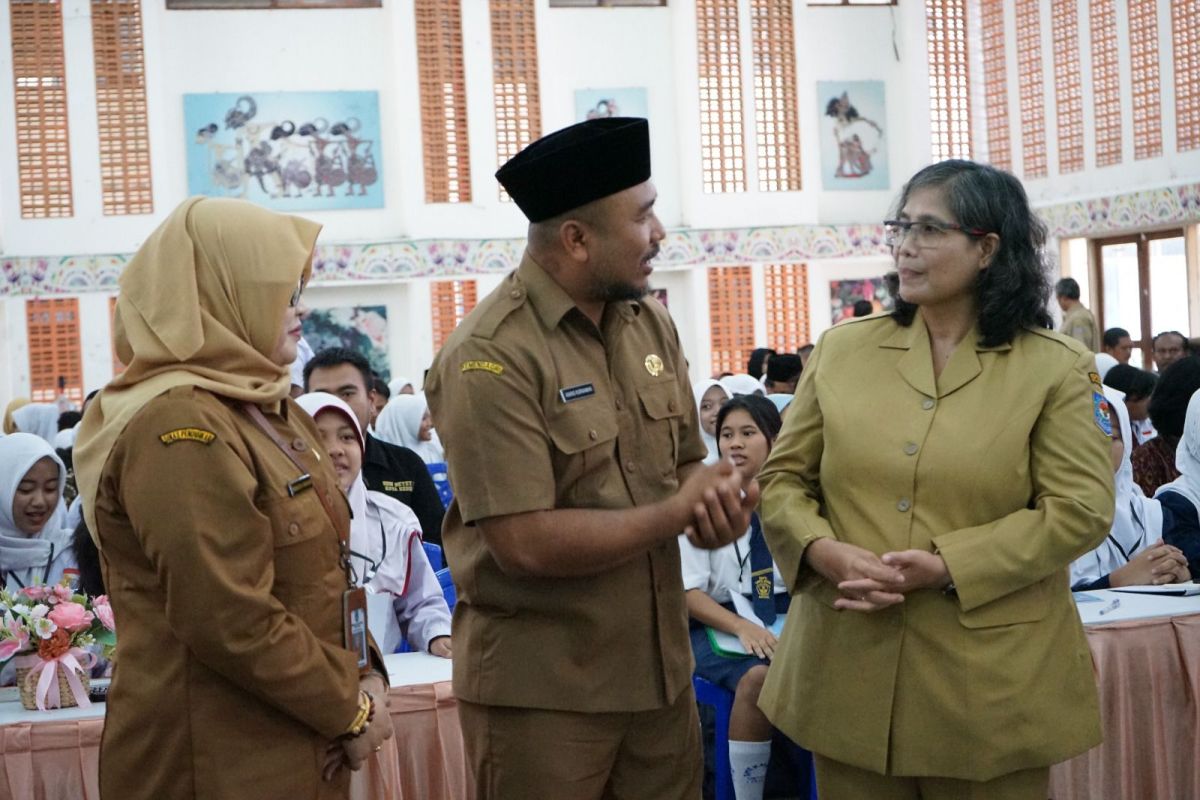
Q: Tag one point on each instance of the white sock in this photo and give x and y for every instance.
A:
(748, 763)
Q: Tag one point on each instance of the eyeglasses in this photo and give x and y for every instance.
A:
(925, 234)
(295, 298)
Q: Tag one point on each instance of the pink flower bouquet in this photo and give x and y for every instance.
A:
(52, 633)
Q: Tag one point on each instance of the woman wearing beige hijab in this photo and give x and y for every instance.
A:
(219, 527)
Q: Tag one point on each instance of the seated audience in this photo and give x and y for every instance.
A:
(1181, 497)
(385, 537)
(1117, 343)
(783, 373)
(1137, 386)
(406, 421)
(756, 366)
(396, 471)
(40, 419)
(747, 428)
(742, 384)
(34, 547)
(1154, 461)
(710, 395)
(1168, 347)
(383, 393)
(401, 385)
(1134, 554)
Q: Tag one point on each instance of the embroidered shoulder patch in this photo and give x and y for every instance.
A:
(1102, 413)
(486, 366)
(1094, 377)
(188, 435)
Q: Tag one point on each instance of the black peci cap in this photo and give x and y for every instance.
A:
(576, 165)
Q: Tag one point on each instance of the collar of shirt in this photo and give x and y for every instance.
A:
(550, 301)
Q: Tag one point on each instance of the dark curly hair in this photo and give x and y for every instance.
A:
(1013, 291)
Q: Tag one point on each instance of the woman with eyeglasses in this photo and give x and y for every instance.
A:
(386, 555)
(938, 471)
(220, 528)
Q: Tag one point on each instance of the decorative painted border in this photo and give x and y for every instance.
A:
(683, 249)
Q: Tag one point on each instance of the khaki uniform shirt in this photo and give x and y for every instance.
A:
(1079, 324)
(231, 677)
(539, 409)
(999, 464)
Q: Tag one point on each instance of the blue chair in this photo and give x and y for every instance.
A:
(434, 553)
(443, 576)
(721, 701)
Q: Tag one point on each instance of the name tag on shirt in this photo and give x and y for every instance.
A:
(572, 393)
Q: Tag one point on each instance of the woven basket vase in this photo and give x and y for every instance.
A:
(65, 698)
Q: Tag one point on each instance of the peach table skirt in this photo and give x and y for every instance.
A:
(1148, 673)
(59, 760)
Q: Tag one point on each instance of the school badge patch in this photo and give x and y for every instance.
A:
(187, 435)
(1102, 413)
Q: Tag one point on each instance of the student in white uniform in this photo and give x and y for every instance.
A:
(385, 537)
(405, 421)
(1134, 552)
(746, 428)
(34, 547)
(710, 395)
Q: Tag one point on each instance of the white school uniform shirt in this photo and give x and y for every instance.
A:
(719, 572)
(386, 533)
(25, 559)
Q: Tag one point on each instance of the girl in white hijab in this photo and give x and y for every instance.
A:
(401, 385)
(710, 395)
(1134, 553)
(1181, 497)
(742, 384)
(405, 421)
(40, 419)
(385, 536)
(34, 548)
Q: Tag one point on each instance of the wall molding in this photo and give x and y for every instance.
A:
(408, 259)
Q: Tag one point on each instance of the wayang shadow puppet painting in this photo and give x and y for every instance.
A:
(289, 151)
(853, 135)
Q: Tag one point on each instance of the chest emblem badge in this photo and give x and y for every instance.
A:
(654, 365)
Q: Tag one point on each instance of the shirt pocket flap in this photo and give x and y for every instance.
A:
(661, 400)
(1024, 605)
(574, 433)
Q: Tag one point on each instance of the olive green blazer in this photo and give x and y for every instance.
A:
(1000, 465)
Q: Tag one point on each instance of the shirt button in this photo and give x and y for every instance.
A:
(903, 505)
(294, 529)
(910, 449)
(927, 403)
(620, 405)
(671, 406)
(593, 435)
(515, 294)
(630, 466)
(299, 445)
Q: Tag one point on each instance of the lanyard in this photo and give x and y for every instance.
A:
(45, 573)
(305, 481)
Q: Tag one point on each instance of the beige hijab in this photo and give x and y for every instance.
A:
(200, 304)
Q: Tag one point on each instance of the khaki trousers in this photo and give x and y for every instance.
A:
(839, 781)
(535, 754)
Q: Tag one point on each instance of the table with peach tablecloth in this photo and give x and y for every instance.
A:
(54, 755)
(1147, 659)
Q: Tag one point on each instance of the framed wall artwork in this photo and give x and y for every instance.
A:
(853, 135)
(844, 294)
(289, 151)
(360, 328)
(598, 103)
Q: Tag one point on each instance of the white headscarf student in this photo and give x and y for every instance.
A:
(710, 394)
(399, 383)
(40, 419)
(405, 421)
(34, 546)
(1181, 497)
(742, 384)
(1104, 362)
(385, 535)
(1134, 552)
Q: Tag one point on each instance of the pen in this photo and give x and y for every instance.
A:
(1112, 606)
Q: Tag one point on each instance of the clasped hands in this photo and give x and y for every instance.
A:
(353, 751)
(717, 504)
(867, 582)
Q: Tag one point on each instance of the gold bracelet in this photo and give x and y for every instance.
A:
(363, 717)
